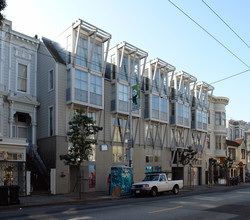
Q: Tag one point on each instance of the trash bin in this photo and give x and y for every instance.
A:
(4, 197)
(14, 194)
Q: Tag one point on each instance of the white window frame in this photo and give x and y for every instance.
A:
(49, 78)
(18, 61)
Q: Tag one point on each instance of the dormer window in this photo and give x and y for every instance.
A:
(82, 51)
(135, 73)
(97, 56)
(155, 81)
(124, 68)
(163, 80)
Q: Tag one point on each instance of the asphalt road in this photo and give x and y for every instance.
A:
(233, 204)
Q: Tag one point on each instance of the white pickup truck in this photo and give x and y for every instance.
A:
(155, 183)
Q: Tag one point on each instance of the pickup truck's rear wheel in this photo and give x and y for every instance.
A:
(175, 190)
(154, 191)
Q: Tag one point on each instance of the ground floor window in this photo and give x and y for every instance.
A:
(119, 154)
(93, 153)
(152, 155)
(13, 173)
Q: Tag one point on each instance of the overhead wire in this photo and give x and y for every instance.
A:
(225, 23)
(210, 34)
(230, 76)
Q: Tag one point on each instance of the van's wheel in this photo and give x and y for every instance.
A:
(154, 191)
(175, 190)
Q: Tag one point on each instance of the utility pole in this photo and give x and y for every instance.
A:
(130, 142)
(135, 103)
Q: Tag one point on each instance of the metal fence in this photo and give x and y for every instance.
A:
(13, 173)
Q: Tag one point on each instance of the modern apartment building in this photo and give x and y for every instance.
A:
(18, 104)
(149, 112)
(79, 71)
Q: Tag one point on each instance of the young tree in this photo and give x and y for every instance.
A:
(187, 158)
(212, 164)
(226, 166)
(2, 7)
(81, 131)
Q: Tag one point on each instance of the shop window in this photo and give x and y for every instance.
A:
(8, 175)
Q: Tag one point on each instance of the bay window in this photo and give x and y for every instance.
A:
(123, 98)
(164, 109)
(155, 106)
(124, 69)
(82, 51)
(97, 56)
(81, 85)
(95, 90)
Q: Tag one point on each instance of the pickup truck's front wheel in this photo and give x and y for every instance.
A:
(154, 192)
(175, 190)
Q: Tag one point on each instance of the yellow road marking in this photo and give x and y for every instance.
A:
(166, 209)
(235, 196)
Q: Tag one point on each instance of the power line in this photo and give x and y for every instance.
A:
(225, 23)
(209, 34)
(230, 76)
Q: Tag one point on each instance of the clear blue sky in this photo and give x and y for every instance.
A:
(163, 31)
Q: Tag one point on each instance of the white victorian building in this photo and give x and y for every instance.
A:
(18, 103)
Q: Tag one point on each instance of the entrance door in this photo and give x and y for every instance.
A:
(177, 173)
(241, 174)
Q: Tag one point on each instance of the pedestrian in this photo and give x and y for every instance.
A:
(109, 182)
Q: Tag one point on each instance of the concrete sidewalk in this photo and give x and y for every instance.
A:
(73, 198)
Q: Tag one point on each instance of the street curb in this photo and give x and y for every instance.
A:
(183, 193)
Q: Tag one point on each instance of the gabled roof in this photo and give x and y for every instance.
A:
(233, 143)
(55, 50)
(239, 140)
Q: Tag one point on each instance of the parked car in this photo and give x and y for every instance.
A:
(155, 183)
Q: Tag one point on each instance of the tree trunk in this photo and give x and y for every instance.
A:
(79, 180)
(189, 177)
